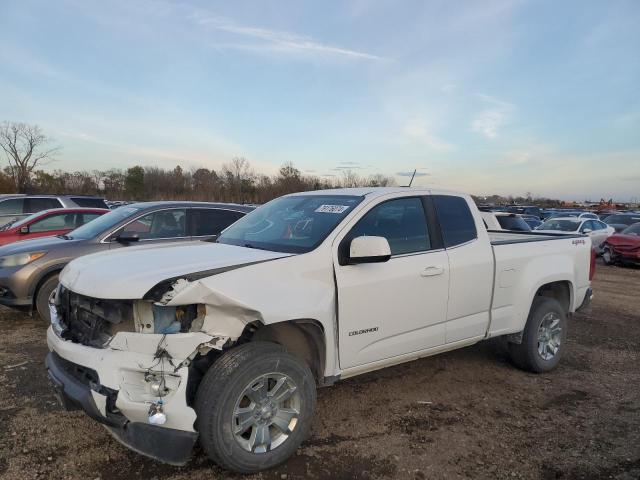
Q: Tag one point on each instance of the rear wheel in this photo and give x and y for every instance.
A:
(544, 337)
(254, 407)
(42, 297)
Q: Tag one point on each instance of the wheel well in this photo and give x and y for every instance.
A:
(303, 338)
(44, 278)
(560, 291)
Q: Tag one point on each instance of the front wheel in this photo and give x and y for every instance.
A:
(544, 337)
(607, 258)
(42, 297)
(255, 406)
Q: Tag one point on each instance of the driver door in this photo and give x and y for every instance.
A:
(399, 306)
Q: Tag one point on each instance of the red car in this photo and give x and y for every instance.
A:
(48, 223)
(623, 247)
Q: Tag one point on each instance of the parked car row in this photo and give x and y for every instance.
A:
(616, 238)
(29, 269)
(597, 230)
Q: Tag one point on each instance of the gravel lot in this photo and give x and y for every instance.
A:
(464, 414)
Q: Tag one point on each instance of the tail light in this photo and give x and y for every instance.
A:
(592, 264)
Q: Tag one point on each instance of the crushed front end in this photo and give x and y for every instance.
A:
(126, 363)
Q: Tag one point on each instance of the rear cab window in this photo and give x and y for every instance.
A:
(456, 220)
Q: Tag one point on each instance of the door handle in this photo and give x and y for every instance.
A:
(432, 270)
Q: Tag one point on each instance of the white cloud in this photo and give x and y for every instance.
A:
(418, 130)
(491, 120)
(275, 40)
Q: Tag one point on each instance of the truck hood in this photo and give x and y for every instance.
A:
(130, 273)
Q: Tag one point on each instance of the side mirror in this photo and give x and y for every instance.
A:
(587, 230)
(369, 250)
(127, 237)
(24, 229)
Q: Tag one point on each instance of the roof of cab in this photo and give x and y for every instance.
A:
(377, 191)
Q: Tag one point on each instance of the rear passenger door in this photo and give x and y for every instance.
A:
(470, 269)
(399, 306)
(209, 222)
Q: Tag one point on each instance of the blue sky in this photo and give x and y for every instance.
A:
(489, 97)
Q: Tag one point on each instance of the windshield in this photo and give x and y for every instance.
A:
(102, 223)
(624, 219)
(296, 224)
(632, 230)
(560, 225)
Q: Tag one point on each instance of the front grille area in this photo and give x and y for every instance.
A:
(90, 321)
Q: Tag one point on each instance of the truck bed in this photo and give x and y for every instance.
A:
(506, 237)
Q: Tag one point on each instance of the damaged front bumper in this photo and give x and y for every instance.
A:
(111, 385)
(165, 444)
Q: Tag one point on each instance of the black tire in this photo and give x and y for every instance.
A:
(42, 297)
(607, 258)
(222, 386)
(526, 354)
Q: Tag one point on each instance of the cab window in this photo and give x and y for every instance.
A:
(402, 222)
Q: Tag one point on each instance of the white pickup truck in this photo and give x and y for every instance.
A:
(226, 341)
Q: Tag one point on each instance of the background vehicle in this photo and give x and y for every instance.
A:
(525, 209)
(595, 229)
(14, 207)
(29, 269)
(57, 221)
(623, 247)
(307, 289)
(620, 221)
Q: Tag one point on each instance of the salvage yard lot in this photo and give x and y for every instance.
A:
(467, 413)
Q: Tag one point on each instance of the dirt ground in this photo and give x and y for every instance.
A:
(464, 414)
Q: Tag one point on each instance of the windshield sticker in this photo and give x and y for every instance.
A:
(332, 208)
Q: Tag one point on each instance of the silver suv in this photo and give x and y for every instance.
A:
(14, 207)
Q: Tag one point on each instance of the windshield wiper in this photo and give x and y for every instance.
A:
(64, 237)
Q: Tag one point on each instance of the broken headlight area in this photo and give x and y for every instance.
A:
(180, 319)
(94, 321)
(155, 318)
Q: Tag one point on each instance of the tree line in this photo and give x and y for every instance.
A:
(27, 149)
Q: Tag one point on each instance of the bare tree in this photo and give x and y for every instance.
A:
(25, 148)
